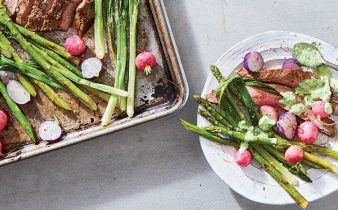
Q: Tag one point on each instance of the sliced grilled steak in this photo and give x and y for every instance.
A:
(37, 14)
(68, 15)
(84, 17)
(11, 6)
(23, 10)
(53, 15)
(289, 78)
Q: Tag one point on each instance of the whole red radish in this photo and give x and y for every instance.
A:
(294, 154)
(3, 120)
(307, 132)
(145, 62)
(242, 158)
(75, 45)
(322, 109)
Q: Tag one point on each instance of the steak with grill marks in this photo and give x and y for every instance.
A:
(43, 15)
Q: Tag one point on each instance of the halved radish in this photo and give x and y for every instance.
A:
(17, 92)
(50, 131)
(91, 67)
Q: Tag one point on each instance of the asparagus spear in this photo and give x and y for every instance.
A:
(242, 93)
(52, 70)
(4, 51)
(297, 169)
(71, 76)
(48, 44)
(204, 103)
(133, 14)
(52, 95)
(28, 70)
(22, 79)
(59, 59)
(24, 68)
(121, 60)
(321, 162)
(289, 188)
(279, 167)
(311, 164)
(99, 30)
(217, 73)
(98, 93)
(17, 113)
(37, 75)
(261, 139)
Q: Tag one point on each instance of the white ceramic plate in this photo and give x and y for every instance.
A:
(251, 182)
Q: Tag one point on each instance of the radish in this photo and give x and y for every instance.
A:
(269, 111)
(145, 62)
(75, 45)
(3, 120)
(253, 61)
(242, 158)
(287, 125)
(322, 109)
(291, 64)
(17, 92)
(294, 154)
(91, 67)
(50, 131)
(307, 132)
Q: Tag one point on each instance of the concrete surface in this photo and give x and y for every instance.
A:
(158, 165)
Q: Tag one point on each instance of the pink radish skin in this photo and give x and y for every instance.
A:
(253, 61)
(3, 120)
(307, 132)
(269, 111)
(294, 154)
(145, 62)
(291, 64)
(318, 108)
(287, 125)
(75, 45)
(242, 158)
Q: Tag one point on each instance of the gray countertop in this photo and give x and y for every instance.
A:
(159, 165)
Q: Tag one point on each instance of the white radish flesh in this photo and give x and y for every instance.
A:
(91, 67)
(17, 92)
(50, 131)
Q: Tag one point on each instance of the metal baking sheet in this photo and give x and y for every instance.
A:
(162, 93)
